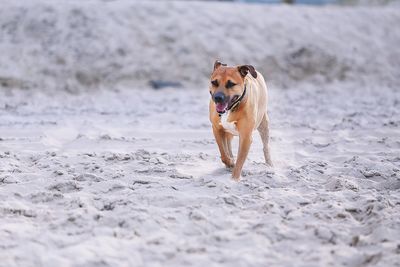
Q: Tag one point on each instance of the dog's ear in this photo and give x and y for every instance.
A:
(218, 64)
(244, 69)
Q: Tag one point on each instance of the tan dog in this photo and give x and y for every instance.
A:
(238, 106)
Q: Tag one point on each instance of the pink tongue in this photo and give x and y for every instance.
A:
(221, 107)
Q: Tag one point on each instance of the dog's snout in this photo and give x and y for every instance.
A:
(219, 97)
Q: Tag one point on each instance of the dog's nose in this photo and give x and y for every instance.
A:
(219, 97)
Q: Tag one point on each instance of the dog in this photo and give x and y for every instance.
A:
(238, 106)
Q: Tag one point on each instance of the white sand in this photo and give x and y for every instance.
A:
(132, 177)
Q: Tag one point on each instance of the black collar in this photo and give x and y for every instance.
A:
(234, 105)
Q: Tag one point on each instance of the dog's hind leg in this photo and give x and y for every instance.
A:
(263, 129)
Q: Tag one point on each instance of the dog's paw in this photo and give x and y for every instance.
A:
(269, 163)
(236, 178)
(236, 175)
(229, 163)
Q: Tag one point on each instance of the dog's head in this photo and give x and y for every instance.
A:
(227, 84)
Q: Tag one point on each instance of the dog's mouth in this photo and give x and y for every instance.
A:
(223, 107)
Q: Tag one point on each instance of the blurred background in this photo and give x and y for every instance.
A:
(87, 45)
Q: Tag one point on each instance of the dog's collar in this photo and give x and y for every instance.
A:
(235, 104)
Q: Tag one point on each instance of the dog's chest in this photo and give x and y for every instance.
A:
(229, 126)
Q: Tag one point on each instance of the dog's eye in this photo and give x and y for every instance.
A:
(215, 83)
(230, 84)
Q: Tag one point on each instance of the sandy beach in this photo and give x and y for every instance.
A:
(113, 179)
(110, 172)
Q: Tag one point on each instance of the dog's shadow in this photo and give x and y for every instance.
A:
(221, 171)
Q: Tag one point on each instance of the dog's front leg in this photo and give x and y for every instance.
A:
(245, 139)
(228, 144)
(220, 138)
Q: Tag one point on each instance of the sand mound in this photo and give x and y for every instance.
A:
(79, 45)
